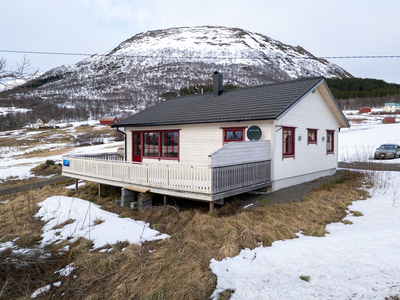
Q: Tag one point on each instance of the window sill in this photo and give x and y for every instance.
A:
(161, 158)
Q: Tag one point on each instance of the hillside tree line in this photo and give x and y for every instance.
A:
(348, 88)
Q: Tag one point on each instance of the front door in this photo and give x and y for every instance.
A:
(136, 146)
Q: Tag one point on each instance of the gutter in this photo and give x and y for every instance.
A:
(123, 132)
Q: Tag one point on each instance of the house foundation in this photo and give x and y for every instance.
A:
(135, 200)
(128, 197)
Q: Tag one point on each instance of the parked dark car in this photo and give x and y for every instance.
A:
(387, 151)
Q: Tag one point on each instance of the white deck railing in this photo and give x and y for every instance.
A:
(198, 179)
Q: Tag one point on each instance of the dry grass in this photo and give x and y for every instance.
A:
(52, 136)
(179, 268)
(356, 213)
(47, 168)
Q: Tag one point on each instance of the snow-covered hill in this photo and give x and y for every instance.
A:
(150, 65)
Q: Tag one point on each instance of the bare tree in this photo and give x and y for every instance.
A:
(22, 70)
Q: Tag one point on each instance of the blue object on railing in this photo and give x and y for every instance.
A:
(66, 162)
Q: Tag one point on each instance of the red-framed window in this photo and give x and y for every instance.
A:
(170, 144)
(233, 134)
(159, 144)
(311, 136)
(288, 138)
(330, 141)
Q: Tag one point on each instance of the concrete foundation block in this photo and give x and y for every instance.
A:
(145, 201)
(127, 197)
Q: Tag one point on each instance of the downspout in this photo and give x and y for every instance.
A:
(123, 132)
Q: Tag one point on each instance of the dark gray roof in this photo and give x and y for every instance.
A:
(252, 103)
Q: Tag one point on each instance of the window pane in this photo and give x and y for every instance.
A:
(311, 135)
(169, 144)
(288, 141)
(136, 144)
(329, 142)
(238, 135)
(229, 135)
(287, 136)
(150, 144)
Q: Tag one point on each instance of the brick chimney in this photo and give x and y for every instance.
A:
(217, 83)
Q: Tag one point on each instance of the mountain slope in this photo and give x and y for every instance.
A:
(142, 69)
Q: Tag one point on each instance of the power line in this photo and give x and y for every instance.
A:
(46, 53)
(363, 56)
(201, 57)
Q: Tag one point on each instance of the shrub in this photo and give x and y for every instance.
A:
(305, 278)
(50, 162)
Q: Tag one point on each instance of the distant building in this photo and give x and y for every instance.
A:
(364, 110)
(391, 107)
(108, 120)
(40, 124)
(52, 123)
(389, 120)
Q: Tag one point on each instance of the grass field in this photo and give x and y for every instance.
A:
(179, 266)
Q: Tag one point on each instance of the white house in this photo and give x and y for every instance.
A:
(391, 107)
(39, 123)
(210, 146)
(52, 123)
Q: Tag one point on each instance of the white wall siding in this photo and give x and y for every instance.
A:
(240, 152)
(197, 141)
(311, 112)
(286, 182)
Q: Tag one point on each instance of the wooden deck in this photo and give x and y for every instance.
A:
(205, 183)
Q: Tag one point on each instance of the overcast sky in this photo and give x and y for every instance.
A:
(324, 28)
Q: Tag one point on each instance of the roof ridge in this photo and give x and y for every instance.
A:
(253, 87)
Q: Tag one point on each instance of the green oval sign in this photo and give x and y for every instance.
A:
(254, 133)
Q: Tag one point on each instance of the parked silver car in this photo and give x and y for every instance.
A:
(387, 151)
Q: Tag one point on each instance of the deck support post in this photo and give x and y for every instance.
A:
(165, 199)
(76, 184)
(211, 207)
(128, 197)
(99, 190)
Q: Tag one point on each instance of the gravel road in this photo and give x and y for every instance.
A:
(30, 186)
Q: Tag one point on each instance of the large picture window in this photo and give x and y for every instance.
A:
(288, 142)
(330, 138)
(170, 144)
(155, 144)
(233, 134)
(151, 144)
